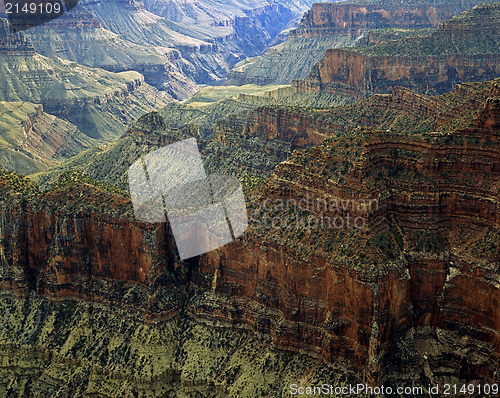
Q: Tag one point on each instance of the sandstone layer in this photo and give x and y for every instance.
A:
(33, 141)
(466, 48)
(412, 294)
(331, 25)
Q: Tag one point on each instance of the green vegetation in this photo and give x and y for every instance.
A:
(212, 104)
(14, 185)
(389, 34)
(69, 178)
(88, 348)
(460, 35)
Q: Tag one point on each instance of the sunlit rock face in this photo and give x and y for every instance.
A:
(330, 25)
(357, 17)
(389, 300)
(430, 63)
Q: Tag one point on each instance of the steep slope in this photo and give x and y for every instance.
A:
(252, 141)
(207, 38)
(181, 358)
(227, 122)
(331, 25)
(466, 48)
(290, 60)
(79, 37)
(211, 104)
(99, 103)
(247, 26)
(407, 294)
(32, 140)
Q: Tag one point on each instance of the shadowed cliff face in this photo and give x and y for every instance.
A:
(100, 103)
(410, 293)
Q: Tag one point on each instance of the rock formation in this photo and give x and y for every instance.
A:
(392, 295)
(33, 141)
(100, 103)
(408, 292)
(80, 37)
(358, 17)
(431, 64)
(330, 25)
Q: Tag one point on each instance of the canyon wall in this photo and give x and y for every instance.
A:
(356, 18)
(331, 25)
(411, 293)
(359, 75)
(100, 103)
(400, 294)
(432, 62)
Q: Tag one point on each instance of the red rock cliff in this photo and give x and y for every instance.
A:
(358, 17)
(432, 63)
(414, 291)
(410, 291)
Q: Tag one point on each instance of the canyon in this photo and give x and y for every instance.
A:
(372, 187)
(410, 296)
(100, 103)
(431, 63)
(34, 141)
(331, 25)
(104, 64)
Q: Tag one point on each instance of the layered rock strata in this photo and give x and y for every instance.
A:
(331, 25)
(32, 140)
(98, 102)
(79, 37)
(358, 17)
(395, 293)
(409, 292)
(430, 64)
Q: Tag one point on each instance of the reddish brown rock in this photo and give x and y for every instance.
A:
(430, 63)
(357, 17)
(412, 295)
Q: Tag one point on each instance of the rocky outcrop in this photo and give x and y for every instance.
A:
(359, 75)
(72, 91)
(290, 60)
(33, 141)
(331, 25)
(432, 63)
(209, 37)
(111, 352)
(80, 37)
(358, 17)
(13, 44)
(407, 291)
(396, 294)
